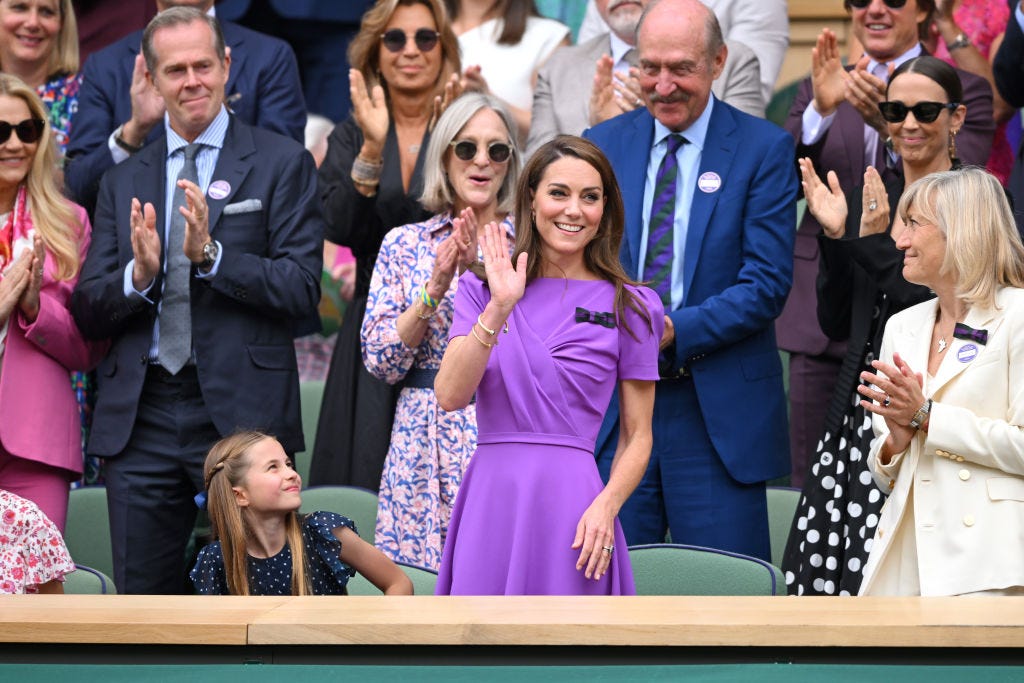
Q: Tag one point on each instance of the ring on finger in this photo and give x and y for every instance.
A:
(887, 402)
(608, 549)
(872, 205)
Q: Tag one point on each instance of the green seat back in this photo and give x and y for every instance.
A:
(311, 394)
(423, 581)
(358, 504)
(665, 569)
(782, 504)
(88, 581)
(87, 534)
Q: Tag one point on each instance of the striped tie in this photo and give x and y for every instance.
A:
(658, 265)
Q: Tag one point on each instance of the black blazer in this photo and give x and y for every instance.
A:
(242, 318)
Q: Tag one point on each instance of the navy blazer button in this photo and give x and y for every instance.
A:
(143, 359)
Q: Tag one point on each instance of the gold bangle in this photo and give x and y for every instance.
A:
(489, 346)
(480, 321)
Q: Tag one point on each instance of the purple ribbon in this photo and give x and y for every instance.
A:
(962, 331)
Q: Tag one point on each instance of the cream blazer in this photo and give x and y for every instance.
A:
(968, 470)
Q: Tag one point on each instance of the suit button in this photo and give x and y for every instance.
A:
(968, 520)
(941, 453)
(959, 458)
(143, 360)
(965, 475)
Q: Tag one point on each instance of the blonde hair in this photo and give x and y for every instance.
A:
(983, 248)
(226, 466)
(364, 50)
(438, 194)
(52, 215)
(65, 57)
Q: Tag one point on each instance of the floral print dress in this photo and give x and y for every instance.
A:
(430, 448)
(32, 551)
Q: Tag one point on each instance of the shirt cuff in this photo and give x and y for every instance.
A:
(1019, 13)
(129, 289)
(814, 124)
(116, 153)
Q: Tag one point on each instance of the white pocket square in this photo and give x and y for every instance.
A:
(243, 207)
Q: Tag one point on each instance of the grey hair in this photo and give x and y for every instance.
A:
(437, 191)
(714, 41)
(178, 16)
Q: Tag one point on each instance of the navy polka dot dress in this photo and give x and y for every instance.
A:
(327, 574)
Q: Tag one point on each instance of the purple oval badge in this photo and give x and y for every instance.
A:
(709, 182)
(967, 353)
(219, 189)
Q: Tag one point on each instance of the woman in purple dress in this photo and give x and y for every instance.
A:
(532, 516)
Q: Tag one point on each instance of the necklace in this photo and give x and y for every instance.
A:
(414, 149)
(942, 344)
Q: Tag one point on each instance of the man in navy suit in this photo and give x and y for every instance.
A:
(119, 112)
(719, 412)
(251, 230)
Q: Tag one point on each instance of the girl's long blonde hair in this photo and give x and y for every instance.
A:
(226, 467)
(52, 215)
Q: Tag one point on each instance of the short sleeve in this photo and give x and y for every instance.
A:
(318, 529)
(208, 573)
(470, 300)
(638, 358)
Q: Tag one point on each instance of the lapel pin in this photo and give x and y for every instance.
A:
(219, 189)
(709, 182)
(967, 353)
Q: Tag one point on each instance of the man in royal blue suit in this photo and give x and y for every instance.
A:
(119, 112)
(206, 249)
(719, 413)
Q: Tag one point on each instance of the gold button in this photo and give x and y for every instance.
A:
(968, 520)
(941, 453)
(965, 475)
(959, 458)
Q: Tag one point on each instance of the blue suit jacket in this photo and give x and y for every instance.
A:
(263, 89)
(737, 274)
(242, 318)
(347, 11)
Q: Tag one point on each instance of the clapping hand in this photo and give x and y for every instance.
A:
(507, 283)
(465, 226)
(29, 301)
(827, 74)
(473, 80)
(874, 218)
(13, 284)
(369, 109)
(894, 392)
(145, 245)
(864, 91)
(826, 204)
(452, 91)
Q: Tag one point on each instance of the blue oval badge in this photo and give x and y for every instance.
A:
(967, 353)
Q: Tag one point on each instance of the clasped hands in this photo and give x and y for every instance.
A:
(22, 283)
(146, 240)
(896, 393)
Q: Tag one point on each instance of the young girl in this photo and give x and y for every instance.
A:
(264, 546)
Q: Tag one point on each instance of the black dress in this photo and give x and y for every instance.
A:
(354, 431)
(860, 286)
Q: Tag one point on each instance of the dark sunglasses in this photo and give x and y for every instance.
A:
(29, 130)
(496, 151)
(924, 112)
(425, 39)
(891, 4)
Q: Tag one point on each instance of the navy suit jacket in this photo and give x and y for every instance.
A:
(242, 318)
(1008, 68)
(347, 11)
(737, 274)
(263, 90)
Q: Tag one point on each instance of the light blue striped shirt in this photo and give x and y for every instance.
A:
(212, 140)
(688, 157)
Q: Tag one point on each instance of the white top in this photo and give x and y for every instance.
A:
(509, 69)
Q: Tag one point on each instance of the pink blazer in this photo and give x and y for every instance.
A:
(39, 417)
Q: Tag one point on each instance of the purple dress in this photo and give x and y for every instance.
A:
(540, 404)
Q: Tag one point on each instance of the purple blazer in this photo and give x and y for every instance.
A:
(841, 149)
(39, 417)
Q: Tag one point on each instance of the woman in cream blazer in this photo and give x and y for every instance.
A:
(948, 399)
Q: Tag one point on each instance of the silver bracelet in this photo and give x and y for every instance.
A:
(365, 172)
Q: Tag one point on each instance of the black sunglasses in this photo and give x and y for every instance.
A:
(496, 151)
(29, 130)
(924, 112)
(891, 4)
(425, 39)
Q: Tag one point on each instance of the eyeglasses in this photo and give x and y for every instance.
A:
(924, 112)
(891, 4)
(29, 130)
(395, 39)
(496, 151)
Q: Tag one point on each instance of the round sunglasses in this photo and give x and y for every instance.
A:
(496, 151)
(395, 39)
(925, 112)
(28, 131)
(891, 4)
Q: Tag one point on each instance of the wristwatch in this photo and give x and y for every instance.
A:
(921, 415)
(961, 41)
(210, 253)
(120, 142)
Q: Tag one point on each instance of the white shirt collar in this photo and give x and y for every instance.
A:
(695, 135)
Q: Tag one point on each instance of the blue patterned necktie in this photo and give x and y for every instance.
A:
(175, 345)
(661, 228)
